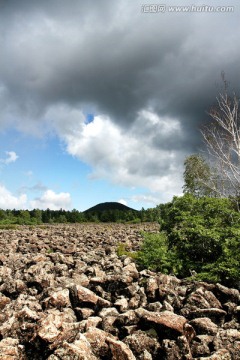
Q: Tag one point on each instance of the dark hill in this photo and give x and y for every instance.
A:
(111, 212)
(109, 206)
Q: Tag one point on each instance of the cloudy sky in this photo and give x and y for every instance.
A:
(102, 100)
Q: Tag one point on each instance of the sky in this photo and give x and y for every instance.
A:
(103, 100)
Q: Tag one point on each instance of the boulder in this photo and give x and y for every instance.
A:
(216, 315)
(204, 326)
(66, 294)
(228, 340)
(79, 349)
(119, 350)
(98, 340)
(201, 345)
(221, 354)
(140, 342)
(226, 294)
(175, 349)
(10, 349)
(166, 323)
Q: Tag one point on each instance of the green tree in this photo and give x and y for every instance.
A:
(47, 216)
(24, 217)
(37, 216)
(226, 268)
(75, 216)
(2, 215)
(61, 219)
(198, 176)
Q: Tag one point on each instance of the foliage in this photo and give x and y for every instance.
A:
(111, 215)
(200, 234)
(37, 216)
(155, 253)
(122, 251)
(197, 176)
(226, 268)
(8, 226)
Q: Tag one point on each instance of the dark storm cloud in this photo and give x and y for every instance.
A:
(110, 57)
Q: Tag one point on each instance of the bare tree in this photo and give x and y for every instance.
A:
(222, 138)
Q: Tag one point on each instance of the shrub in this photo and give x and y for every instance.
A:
(226, 268)
(204, 234)
(155, 254)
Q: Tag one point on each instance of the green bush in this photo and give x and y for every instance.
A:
(226, 268)
(200, 234)
(156, 255)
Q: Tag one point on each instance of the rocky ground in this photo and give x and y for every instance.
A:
(66, 294)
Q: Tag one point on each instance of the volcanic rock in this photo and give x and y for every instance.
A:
(66, 294)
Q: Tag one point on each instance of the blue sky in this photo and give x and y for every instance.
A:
(101, 101)
(43, 164)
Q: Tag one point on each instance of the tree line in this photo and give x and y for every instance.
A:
(48, 216)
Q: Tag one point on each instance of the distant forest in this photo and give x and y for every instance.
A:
(36, 216)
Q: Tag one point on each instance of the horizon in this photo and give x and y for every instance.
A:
(93, 206)
(102, 102)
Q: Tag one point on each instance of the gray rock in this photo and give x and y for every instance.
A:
(79, 350)
(221, 354)
(119, 350)
(165, 322)
(98, 340)
(216, 315)
(10, 349)
(201, 345)
(176, 349)
(65, 294)
(204, 326)
(228, 340)
(141, 341)
(225, 294)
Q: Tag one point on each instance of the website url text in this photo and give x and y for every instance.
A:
(162, 8)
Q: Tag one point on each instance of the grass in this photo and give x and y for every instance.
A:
(8, 226)
(121, 251)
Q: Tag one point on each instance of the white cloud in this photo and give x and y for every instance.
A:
(154, 198)
(49, 199)
(9, 201)
(11, 157)
(141, 156)
(52, 200)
